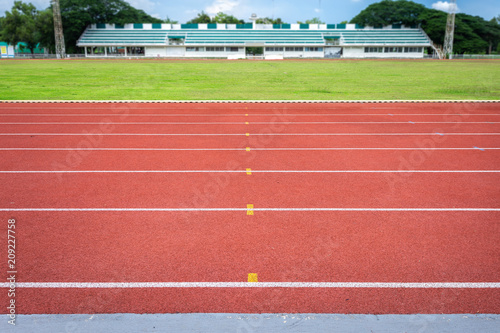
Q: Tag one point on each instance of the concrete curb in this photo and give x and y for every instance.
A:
(249, 323)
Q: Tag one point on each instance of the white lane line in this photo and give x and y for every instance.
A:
(384, 285)
(244, 171)
(243, 134)
(230, 149)
(13, 209)
(254, 123)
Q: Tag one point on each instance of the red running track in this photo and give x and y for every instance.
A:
(280, 246)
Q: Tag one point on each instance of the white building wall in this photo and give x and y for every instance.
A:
(155, 51)
(311, 54)
(173, 51)
(293, 54)
(353, 52)
(359, 52)
(214, 54)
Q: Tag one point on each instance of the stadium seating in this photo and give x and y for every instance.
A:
(248, 36)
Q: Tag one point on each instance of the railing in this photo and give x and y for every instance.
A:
(436, 48)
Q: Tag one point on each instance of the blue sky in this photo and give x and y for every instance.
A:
(330, 11)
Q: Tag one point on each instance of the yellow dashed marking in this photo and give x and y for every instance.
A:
(252, 277)
(249, 209)
(248, 148)
(246, 115)
(249, 171)
(247, 123)
(247, 134)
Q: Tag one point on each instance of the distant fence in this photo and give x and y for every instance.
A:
(476, 56)
(45, 56)
(255, 57)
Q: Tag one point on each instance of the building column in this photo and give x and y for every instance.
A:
(85, 51)
(105, 51)
(125, 51)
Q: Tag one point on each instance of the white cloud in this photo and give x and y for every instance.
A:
(145, 5)
(225, 6)
(317, 10)
(445, 6)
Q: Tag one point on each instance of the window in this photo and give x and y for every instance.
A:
(195, 49)
(413, 49)
(115, 51)
(215, 49)
(294, 49)
(95, 50)
(393, 49)
(314, 49)
(232, 49)
(135, 51)
(274, 49)
(374, 49)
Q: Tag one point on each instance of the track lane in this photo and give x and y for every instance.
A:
(256, 300)
(253, 118)
(323, 247)
(226, 246)
(222, 190)
(268, 129)
(96, 139)
(240, 160)
(247, 108)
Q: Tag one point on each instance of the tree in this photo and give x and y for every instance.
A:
(201, 18)
(472, 33)
(21, 24)
(169, 20)
(267, 20)
(315, 20)
(389, 12)
(78, 14)
(45, 26)
(225, 18)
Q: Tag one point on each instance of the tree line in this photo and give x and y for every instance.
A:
(25, 23)
(473, 34)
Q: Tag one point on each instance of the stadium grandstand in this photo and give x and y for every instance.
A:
(236, 41)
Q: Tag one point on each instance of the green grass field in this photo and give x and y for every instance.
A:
(248, 80)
